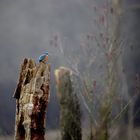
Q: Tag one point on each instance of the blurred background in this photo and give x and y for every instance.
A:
(28, 28)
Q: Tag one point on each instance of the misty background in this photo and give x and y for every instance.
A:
(26, 30)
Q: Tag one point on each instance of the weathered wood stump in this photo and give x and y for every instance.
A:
(32, 96)
(70, 114)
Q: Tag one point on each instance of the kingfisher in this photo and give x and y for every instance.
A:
(44, 57)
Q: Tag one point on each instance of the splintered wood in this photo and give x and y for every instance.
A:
(32, 96)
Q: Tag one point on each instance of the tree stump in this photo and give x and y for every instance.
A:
(32, 96)
(70, 114)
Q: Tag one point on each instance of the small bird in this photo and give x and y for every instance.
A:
(44, 57)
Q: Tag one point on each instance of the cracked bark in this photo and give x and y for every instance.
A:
(32, 96)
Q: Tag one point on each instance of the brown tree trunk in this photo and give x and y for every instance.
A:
(32, 95)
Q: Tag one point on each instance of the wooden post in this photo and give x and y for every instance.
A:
(32, 95)
(70, 115)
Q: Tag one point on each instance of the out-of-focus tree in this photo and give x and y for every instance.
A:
(96, 67)
(70, 112)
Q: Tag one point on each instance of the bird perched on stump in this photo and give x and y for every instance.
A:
(44, 57)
